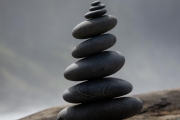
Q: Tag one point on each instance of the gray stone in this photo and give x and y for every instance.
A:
(94, 45)
(95, 66)
(95, 14)
(95, 3)
(94, 27)
(101, 6)
(97, 89)
(116, 109)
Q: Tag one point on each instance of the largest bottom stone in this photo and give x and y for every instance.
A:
(115, 109)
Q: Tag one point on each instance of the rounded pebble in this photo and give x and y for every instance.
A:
(101, 6)
(96, 66)
(94, 45)
(95, 14)
(97, 89)
(95, 3)
(116, 109)
(93, 27)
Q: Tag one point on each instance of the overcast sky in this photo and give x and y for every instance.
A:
(36, 42)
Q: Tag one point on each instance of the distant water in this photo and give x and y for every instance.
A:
(13, 116)
(19, 114)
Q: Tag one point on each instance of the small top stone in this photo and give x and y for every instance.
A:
(95, 14)
(95, 3)
(98, 7)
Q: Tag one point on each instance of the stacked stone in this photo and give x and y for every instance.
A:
(97, 95)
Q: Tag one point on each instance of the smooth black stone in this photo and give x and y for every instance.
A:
(95, 66)
(101, 6)
(94, 45)
(95, 3)
(94, 27)
(97, 89)
(95, 14)
(116, 109)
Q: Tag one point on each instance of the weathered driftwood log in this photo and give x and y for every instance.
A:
(160, 105)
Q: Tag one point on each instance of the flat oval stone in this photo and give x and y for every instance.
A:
(94, 27)
(95, 66)
(94, 45)
(101, 6)
(95, 14)
(97, 89)
(116, 109)
(95, 3)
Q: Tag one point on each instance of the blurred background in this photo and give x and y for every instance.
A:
(36, 42)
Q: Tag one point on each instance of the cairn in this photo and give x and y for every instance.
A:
(97, 96)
